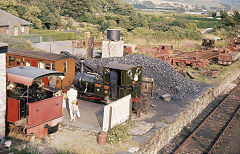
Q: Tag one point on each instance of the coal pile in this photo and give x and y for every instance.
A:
(166, 79)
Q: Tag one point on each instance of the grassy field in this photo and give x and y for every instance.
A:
(52, 35)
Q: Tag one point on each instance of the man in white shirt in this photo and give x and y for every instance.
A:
(72, 96)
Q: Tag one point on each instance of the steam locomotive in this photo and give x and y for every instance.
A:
(117, 81)
(32, 108)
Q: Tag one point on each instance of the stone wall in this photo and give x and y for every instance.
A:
(112, 49)
(3, 50)
(3, 30)
(164, 132)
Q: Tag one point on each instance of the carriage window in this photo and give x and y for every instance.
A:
(65, 67)
(18, 62)
(11, 60)
(28, 63)
(53, 66)
(22, 61)
(47, 66)
(41, 64)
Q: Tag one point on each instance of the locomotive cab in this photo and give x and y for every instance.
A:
(31, 105)
(129, 79)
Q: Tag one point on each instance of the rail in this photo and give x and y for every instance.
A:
(214, 124)
(222, 134)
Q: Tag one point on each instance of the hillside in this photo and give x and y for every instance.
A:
(208, 4)
(47, 14)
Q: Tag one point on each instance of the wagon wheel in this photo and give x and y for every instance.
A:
(53, 129)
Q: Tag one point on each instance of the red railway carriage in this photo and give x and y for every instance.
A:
(44, 60)
(31, 106)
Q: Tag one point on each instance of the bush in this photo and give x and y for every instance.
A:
(119, 133)
(13, 42)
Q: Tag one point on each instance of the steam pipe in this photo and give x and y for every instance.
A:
(82, 61)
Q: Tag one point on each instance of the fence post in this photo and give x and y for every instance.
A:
(130, 109)
(110, 120)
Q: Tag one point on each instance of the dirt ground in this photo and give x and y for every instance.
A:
(71, 139)
(67, 140)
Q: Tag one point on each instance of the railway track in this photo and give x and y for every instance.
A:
(206, 137)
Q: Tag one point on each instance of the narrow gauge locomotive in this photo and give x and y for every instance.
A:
(118, 80)
(31, 106)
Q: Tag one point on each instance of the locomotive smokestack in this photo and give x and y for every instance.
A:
(82, 61)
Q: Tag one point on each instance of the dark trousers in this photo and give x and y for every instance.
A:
(113, 91)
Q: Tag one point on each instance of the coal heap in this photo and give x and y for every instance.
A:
(166, 79)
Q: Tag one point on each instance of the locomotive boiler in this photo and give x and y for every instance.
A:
(117, 81)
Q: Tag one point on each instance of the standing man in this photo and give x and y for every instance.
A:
(113, 83)
(72, 97)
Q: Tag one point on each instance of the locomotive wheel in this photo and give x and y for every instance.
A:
(53, 129)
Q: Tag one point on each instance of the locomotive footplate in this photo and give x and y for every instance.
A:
(91, 98)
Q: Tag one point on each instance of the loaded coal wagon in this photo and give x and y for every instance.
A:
(32, 107)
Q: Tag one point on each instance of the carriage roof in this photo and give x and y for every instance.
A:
(37, 54)
(26, 74)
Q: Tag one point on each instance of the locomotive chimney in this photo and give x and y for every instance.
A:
(82, 61)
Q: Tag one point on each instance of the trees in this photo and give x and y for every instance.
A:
(237, 17)
(32, 16)
(42, 13)
(104, 26)
(227, 20)
(75, 8)
(59, 3)
(49, 14)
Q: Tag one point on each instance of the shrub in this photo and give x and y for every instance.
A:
(119, 133)
(13, 42)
